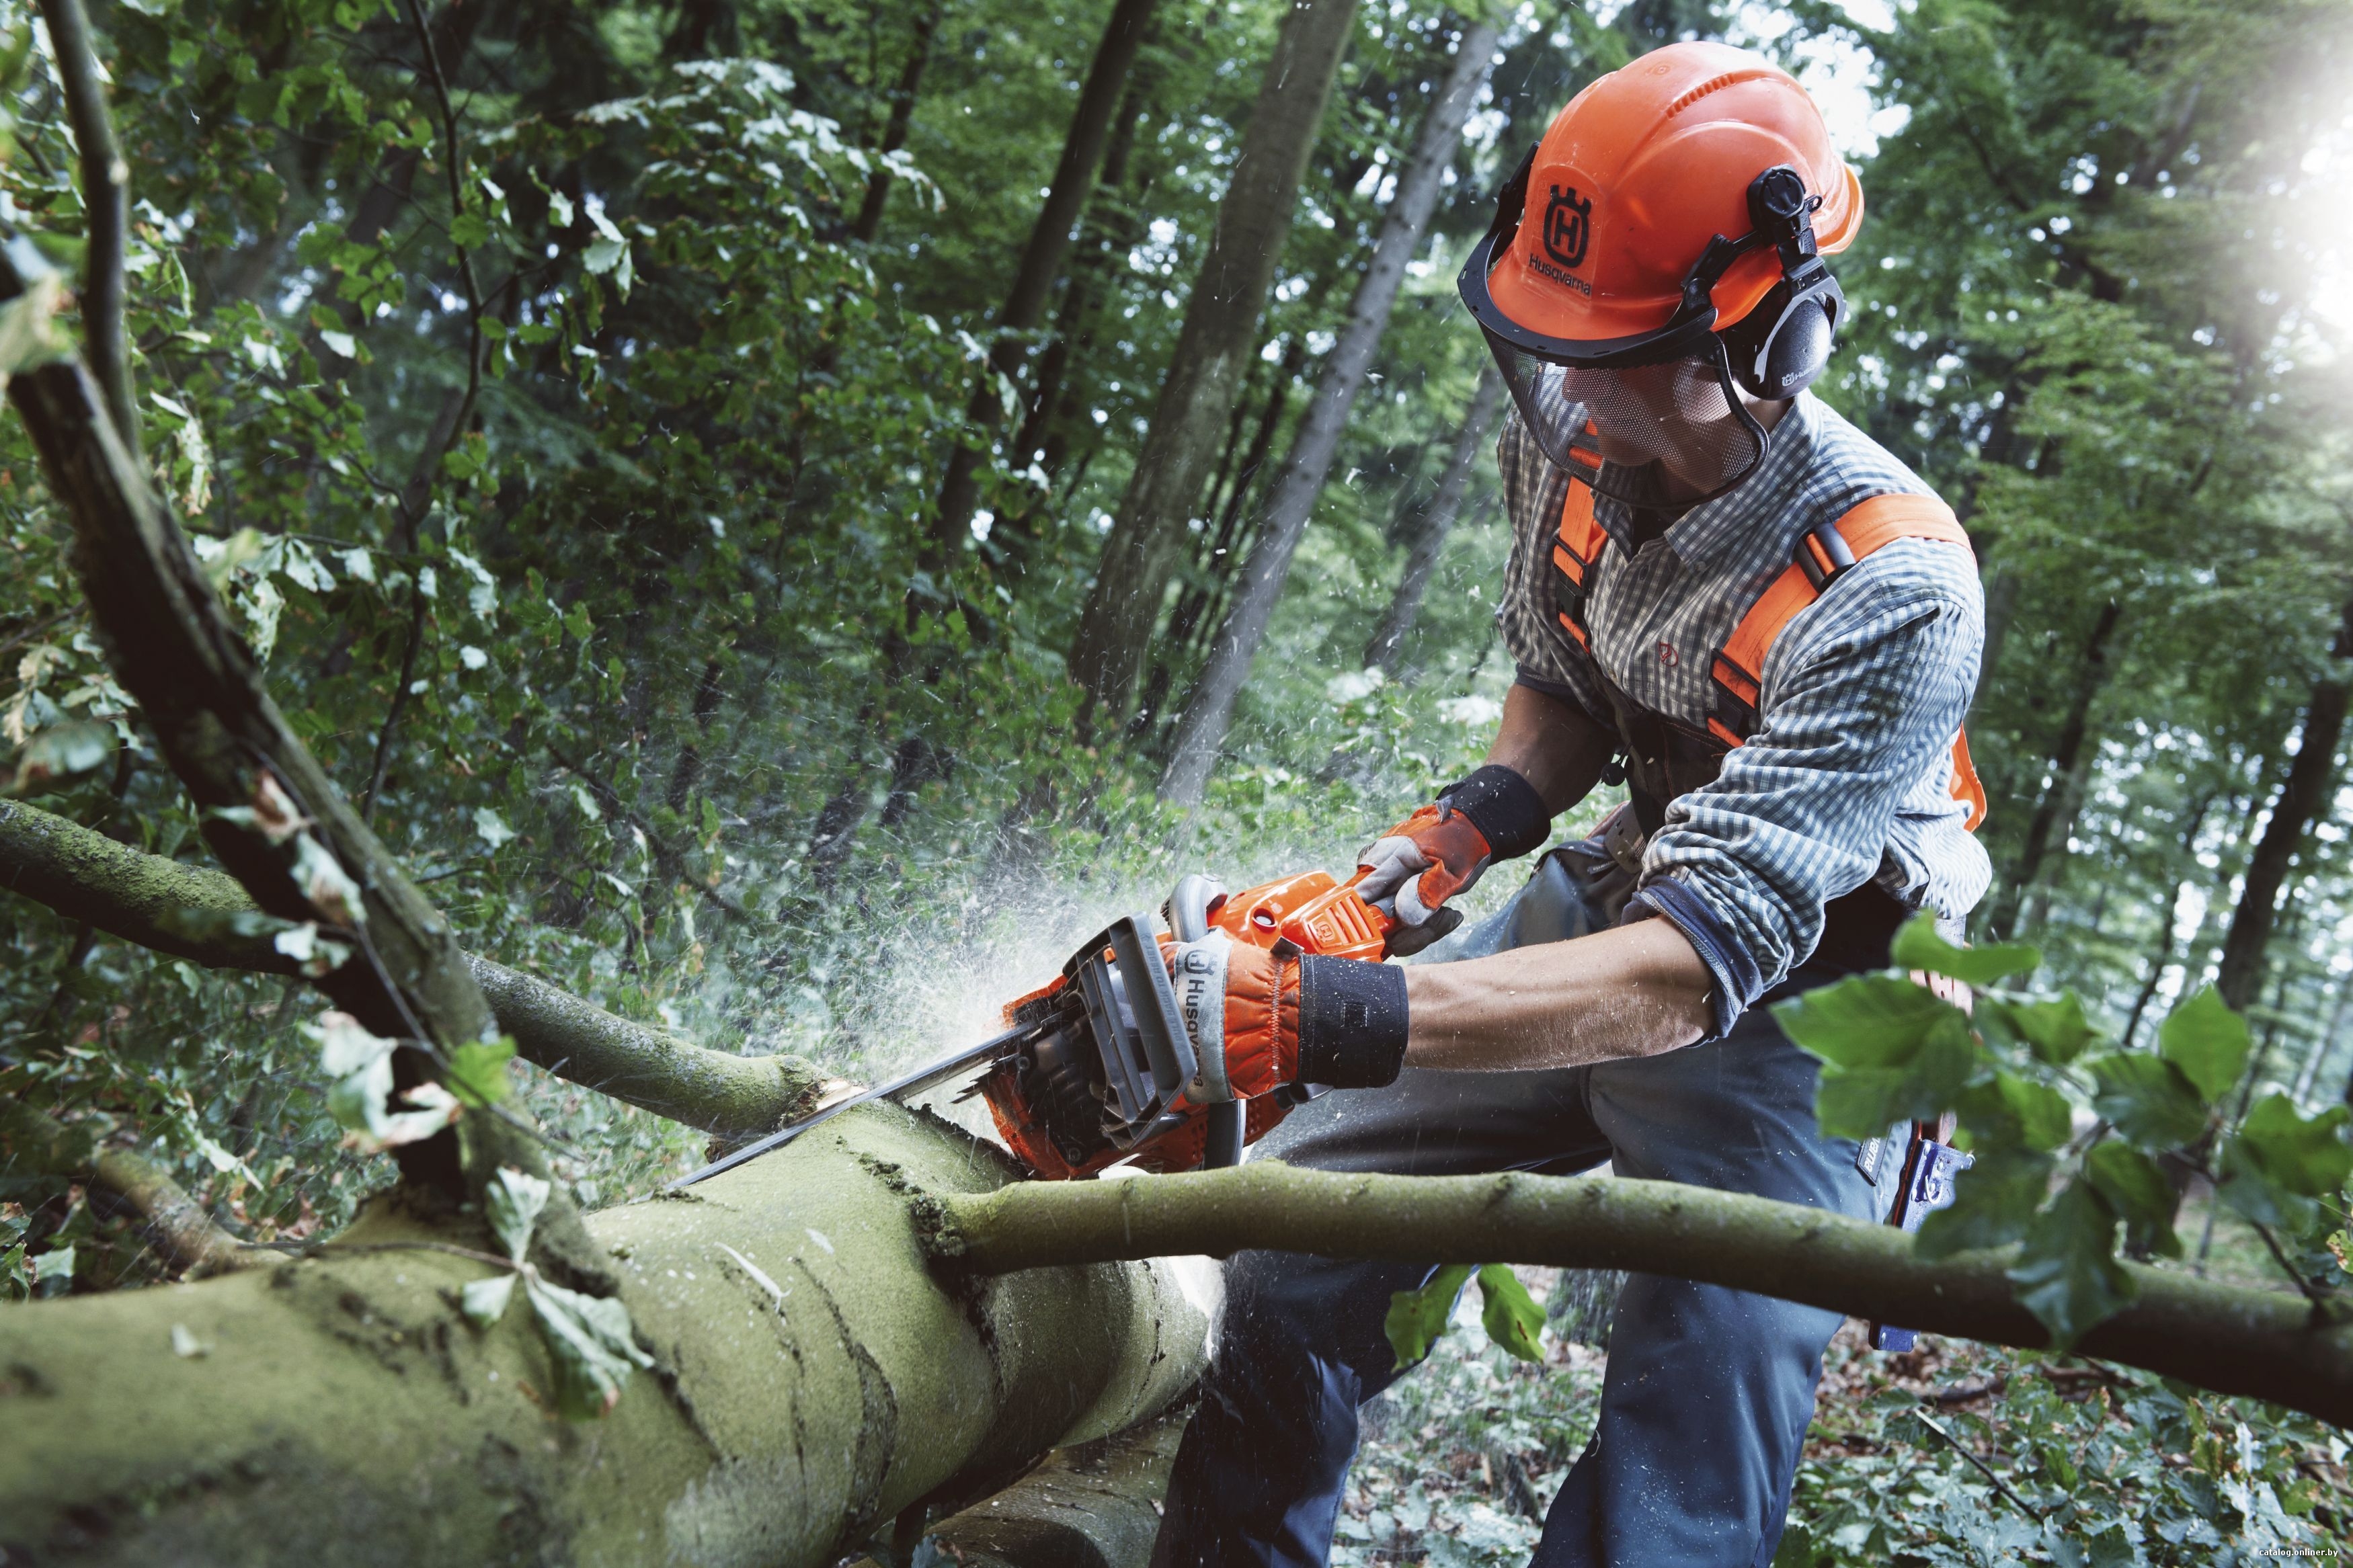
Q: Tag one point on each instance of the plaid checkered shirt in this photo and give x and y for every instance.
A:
(1848, 778)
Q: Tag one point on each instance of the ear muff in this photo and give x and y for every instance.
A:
(1781, 345)
(1778, 348)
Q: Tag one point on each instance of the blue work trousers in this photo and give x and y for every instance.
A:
(1708, 1392)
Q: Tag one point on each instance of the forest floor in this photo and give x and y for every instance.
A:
(1460, 1458)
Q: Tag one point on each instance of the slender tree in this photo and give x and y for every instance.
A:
(2303, 795)
(1433, 527)
(1041, 260)
(868, 221)
(1210, 710)
(2067, 758)
(1206, 373)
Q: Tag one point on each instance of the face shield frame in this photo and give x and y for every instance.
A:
(1781, 214)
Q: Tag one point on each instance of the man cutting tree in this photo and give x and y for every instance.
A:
(1723, 595)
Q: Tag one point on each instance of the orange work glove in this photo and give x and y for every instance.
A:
(1413, 868)
(1263, 1018)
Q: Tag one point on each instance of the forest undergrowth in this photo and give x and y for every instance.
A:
(1951, 1455)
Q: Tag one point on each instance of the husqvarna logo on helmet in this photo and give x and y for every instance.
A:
(1567, 227)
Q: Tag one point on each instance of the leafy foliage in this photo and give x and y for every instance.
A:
(2015, 1073)
(1510, 1317)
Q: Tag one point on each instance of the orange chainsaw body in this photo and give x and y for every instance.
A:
(1312, 910)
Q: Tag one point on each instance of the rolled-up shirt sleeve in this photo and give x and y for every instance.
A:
(1861, 696)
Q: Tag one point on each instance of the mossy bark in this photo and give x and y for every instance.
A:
(814, 1381)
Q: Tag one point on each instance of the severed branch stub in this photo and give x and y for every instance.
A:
(2234, 1341)
(180, 1229)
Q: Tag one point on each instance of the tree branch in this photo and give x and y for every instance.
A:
(269, 810)
(2260, 1343)
(106, 203)
(186, 910)
(177, 1224)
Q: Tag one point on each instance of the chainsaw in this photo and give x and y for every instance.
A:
(1091, 1069)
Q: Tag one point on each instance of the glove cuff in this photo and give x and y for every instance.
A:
(1352, 1021)
(1505, 809)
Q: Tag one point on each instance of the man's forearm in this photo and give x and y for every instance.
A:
(1635, 991)
(1551, 744)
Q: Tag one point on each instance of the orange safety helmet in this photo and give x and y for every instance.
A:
(1676, 210)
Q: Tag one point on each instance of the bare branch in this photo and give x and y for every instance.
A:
(2261, 1343)
(105, 203)
(189, 912)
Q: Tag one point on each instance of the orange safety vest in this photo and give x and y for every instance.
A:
(1739, 666)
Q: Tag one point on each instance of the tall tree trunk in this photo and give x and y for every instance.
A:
(1195, 604)
(1436, 524)
(2321, 1042)
(2066, 756)
(2001, 612)
(1110, 231)
(1205, 371)
(2162, 959)
(2303, 796)
(1042, 259)
(1209, 711)
(869, 222)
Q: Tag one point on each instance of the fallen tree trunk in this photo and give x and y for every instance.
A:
(812, 1381)
(2234, 1341)
(189, 912)
(1093, 1505)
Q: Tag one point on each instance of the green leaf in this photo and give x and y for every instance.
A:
(602, 255)
(2148, 1100)
(2008, 1109)
(2208, 1042)
(484, 1301)
(1891, 1051)
(28, 331)
(2304, 1156)
(1867, 1021)
(469, 231)
(2066, 1273)
(592, 1342)
(1994, 1201)
(1512, 1318)
(2054, 1030)
(1416, 1317)
(60, 753)
(477, 1073)
(54, 1268)
(515, 1199)
(1918, 945)
(2137, 1188)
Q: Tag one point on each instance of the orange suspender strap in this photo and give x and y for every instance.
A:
(1574, 548)
(1821, 555)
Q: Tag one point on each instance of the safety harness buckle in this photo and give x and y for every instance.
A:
(1822, 555)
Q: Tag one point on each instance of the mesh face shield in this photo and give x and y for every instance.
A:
(1668, 436)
